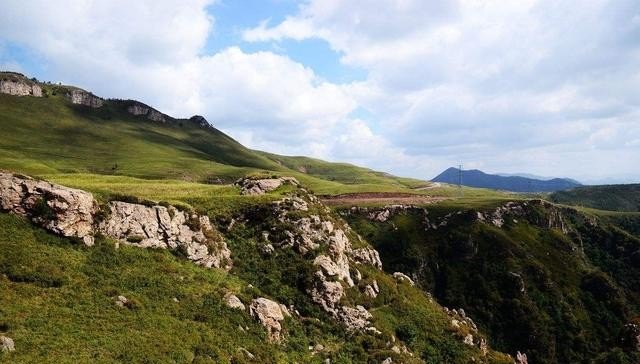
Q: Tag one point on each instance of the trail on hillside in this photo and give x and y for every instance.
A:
(380, 198)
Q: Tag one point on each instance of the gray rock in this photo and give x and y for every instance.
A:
(140, 109)
(20, 87)
(269, 314)
(7, 344)
(521, 358)
(401, 277)
(61, 210)
(233, 301)
(82, 97)
(249, 186)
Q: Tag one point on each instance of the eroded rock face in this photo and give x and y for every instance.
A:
(72, 213)
(254, 187)
(368, 256)
(138, 108)
(552, 219)
(62, 210)
(20, 88)
(269, 314)
(167, 228)
(82, 97)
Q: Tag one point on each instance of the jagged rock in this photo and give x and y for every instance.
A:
(167, 228)
(484, 347)
(515, 210)
(18, 85)
(249, 186)
(354, 319)
(387, 361)
(7, 344)
(521, 358)
(82, 97)
(61, 210)
(140, 109)
(269, 314)
(327, 294)
(367, 256)
(403, 278)
(233, 301)
(267, 249)
(380, 216)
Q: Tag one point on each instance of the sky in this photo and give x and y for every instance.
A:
(409, 87)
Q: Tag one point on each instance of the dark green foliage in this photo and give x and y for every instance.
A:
(608, 197)
(559, 298)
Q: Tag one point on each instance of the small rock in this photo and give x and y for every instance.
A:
(267, 249)
(521, 358)
(246, 353)
(121, 301)
(269, 313)
(318, 347)
(233, 301)
(387, 361)
(468, 339)
(403, 277)
(7, 344)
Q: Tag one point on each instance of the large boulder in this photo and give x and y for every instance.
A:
(62, 210)
(269, 313)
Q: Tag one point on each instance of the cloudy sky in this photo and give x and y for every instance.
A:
(405, 86)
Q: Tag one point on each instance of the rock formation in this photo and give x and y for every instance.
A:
(233, 301)
(62, 210)
(18, 85)
(137, 108)
(251, 186)
(82, 97)
(74, 213)
(269, 314)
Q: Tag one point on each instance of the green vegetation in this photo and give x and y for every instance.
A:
(608, 197)
(50, 136)
(559, 298)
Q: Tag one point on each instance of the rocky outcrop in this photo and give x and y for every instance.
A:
(62, 210)
(368, 256)
(167, 228)
(140, 109)
(260, 186)
(6, 344)
(200, 121)
(19, 86)
(82, 97)
(551, 218)
(269, 314)
(74, 213)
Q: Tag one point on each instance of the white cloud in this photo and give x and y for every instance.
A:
(474, 80)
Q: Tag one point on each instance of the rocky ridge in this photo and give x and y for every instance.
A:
(74, 213)
(139, 109)
(81, 97)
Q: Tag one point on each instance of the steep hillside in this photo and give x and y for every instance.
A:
(107, 300)
(476, 178)
(557, 283)
(63, 129)
(608, 197)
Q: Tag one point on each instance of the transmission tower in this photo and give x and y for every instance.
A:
(460, 180)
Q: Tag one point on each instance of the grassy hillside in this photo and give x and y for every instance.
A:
(561, 298)
(49, 135)
(57, 297)
(608, 197)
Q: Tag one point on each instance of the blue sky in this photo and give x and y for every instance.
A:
(405, 86)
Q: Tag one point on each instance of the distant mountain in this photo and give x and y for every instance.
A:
(476, 178)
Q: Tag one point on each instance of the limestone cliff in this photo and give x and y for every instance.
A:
(18, 85)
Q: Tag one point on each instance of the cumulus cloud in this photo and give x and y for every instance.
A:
(547, 87)
(474, 80)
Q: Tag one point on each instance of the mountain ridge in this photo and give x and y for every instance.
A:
(477, 178)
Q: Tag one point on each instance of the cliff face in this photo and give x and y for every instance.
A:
(138, 108)
(18, 85)
(82, 97)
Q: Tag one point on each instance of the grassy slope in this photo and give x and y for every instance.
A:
(48, 135)
(608, 197)
(579, 292)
